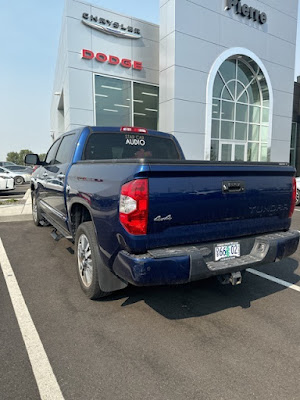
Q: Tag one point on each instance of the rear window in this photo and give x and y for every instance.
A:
(105, 146)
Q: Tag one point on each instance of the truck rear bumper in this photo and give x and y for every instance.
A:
(184, 264)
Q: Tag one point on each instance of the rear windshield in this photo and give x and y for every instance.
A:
(105, 146)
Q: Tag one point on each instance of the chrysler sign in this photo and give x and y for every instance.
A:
(246, 11)
(111, 27)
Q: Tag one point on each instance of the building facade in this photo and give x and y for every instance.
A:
(225, 71)
(295, 138)
(107, 71)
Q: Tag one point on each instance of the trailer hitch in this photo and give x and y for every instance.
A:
(235, 278)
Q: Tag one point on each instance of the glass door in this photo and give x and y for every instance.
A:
(230, 151)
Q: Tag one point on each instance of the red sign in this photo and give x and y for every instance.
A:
(101, 57)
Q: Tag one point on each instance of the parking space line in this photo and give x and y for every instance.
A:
(273, 279)
(42, 370)
(297, 210)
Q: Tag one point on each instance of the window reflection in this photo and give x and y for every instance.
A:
(116, 107)
(145, 105)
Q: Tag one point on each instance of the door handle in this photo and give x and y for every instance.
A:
(60, 176)
(233, 186)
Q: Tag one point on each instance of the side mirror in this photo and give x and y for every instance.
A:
(32, 159)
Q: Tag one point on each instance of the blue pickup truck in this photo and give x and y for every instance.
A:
(140, 214)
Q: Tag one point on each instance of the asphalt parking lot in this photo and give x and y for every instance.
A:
(198, 341)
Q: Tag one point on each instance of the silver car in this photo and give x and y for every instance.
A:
(18, 176)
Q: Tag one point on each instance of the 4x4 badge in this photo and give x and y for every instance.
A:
(159, 218)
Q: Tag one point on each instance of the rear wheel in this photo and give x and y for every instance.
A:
(88, 261)
(19, 180)
(298, 197)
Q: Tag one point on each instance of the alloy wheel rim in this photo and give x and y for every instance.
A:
(85, 263)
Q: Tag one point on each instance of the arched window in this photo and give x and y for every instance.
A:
(240, 112)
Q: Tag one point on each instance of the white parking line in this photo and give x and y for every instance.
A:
(273, 279)
(42, 370)
(297, 210)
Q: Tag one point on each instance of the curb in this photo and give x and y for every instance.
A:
(27, 194)
(16, 218)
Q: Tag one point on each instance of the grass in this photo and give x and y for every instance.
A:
(9, 201)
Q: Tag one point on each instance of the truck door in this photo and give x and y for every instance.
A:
(56, 184)
(43, 172)
(54, 176)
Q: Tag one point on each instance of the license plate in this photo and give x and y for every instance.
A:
(227, 250)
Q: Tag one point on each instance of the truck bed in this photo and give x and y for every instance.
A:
(189, 201)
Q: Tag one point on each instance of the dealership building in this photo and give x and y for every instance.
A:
(217, 74)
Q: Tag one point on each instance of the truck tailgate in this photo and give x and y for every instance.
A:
(197, 202)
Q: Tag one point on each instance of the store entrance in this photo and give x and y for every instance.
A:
(232, 151)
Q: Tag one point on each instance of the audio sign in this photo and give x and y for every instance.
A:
(246, 11)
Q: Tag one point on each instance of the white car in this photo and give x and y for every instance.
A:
(19, 177)
(298, 191)
(6, 183)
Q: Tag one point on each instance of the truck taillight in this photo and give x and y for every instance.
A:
(133, 210)
(294, 195)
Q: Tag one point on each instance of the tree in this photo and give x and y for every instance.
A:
(42, 156)
(13, 156)
(17, 158)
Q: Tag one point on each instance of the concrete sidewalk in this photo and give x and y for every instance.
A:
(21, 211)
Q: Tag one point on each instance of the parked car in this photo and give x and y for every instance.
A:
(139, 213)
(20, 168)
(6, 183)
(19, 177)
(298, 191)
(6, 163)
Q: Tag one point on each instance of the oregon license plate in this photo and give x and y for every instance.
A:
(227, 250)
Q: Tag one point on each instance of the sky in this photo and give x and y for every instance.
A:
(29, 33)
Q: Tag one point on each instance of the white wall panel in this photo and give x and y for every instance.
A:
(79, 36)
(190, 85)
(75, 9)
(283, 127)
(81, 89)
(279, 150)
(166, 124)
(282, 77)
(283, 103)
(192, 144)
(148, 52)
(195, 53)
(188, 116)
(167, 18)
(197, 21)
(81, 117)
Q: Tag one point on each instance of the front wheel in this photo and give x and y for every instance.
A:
(19, 180)
(88, 261)
(36, 212)
(298, 197)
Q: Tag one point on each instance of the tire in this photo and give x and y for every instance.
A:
(88, 261)
(36, 211)
(298, 197)
(19, 180)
